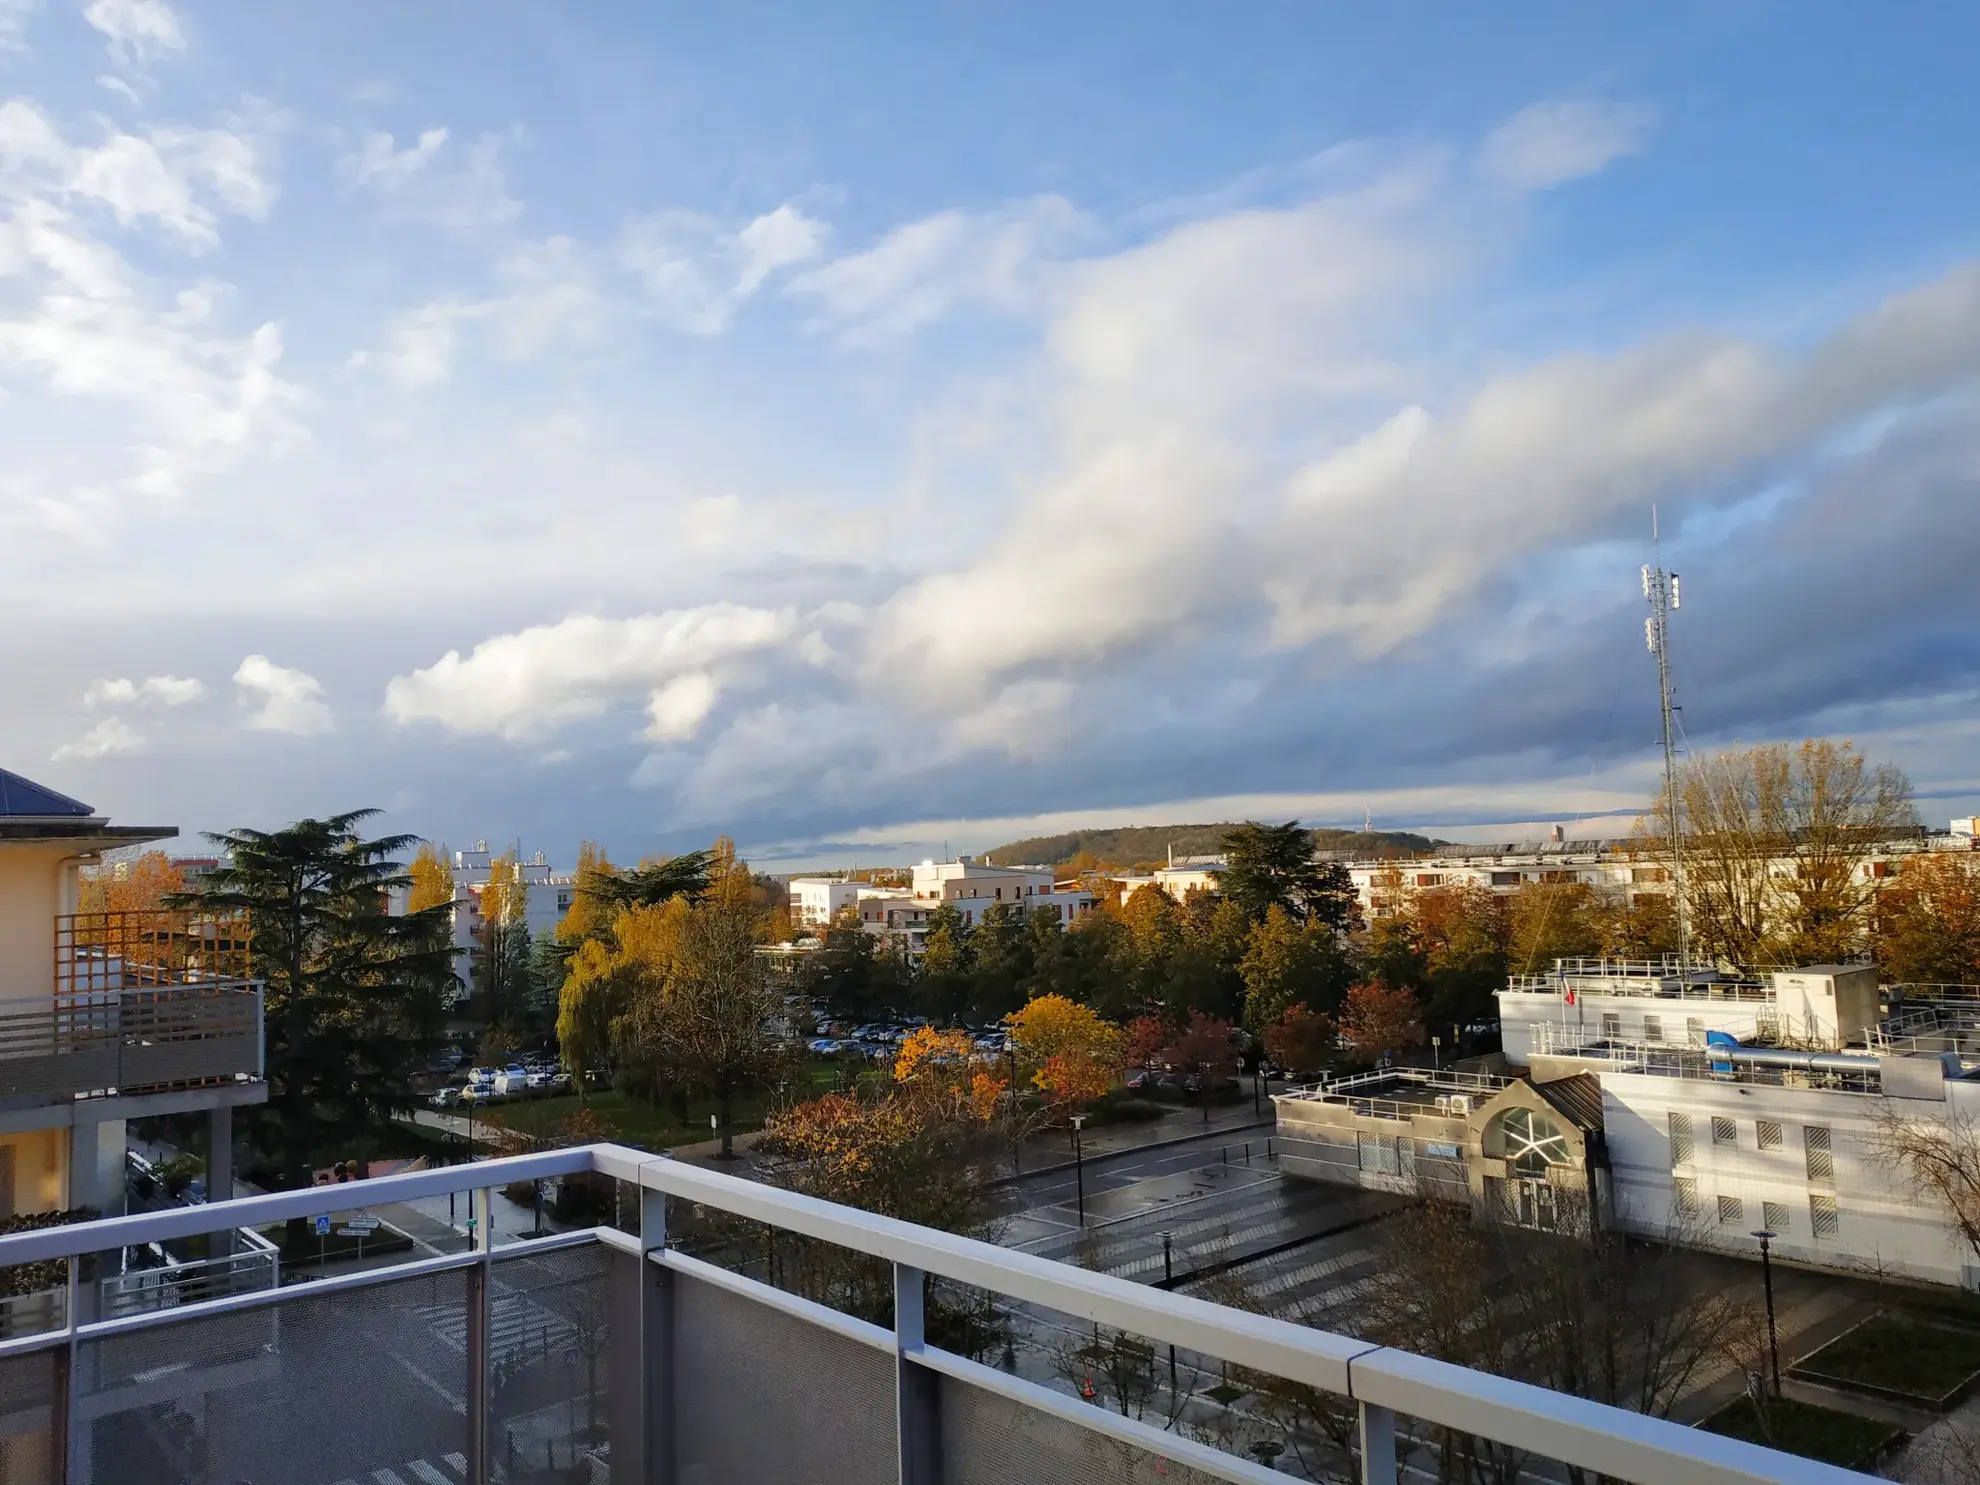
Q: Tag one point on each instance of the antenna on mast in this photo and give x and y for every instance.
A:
(1660, 588)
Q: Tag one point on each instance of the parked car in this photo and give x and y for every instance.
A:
(560, 1080)
(481, 1076)
(539, 1078)
(512, 1079)
(445, 1098)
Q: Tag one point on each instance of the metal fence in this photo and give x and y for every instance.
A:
(606, 1354)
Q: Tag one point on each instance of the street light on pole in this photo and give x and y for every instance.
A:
(1079, 1165)
(1169, 1282)
(1767, 1278)
(1436, 1060)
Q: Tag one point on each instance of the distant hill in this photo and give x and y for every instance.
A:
(1130, 845)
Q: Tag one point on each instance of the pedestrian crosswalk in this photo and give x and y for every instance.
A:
(518, 1328)
(415, 1472)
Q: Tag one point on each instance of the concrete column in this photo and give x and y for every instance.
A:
(220, 1172)
(96, 1167)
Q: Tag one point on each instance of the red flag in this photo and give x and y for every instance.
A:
(1567, 994)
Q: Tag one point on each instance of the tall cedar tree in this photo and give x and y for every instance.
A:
(355, 997)
(1273, 865)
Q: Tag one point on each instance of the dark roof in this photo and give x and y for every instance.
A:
(19, 796)
(1579, 1098)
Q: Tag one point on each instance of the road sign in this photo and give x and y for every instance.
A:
(362, 1222)
(323, 1226)
(354, 1232)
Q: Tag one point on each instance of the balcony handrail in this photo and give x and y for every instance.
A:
(1591, 1435)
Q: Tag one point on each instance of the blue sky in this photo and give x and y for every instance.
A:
(857, 428)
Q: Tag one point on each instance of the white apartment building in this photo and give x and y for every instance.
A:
(547, 897)
(975, 886)
(1684, 1107)
(816, 901)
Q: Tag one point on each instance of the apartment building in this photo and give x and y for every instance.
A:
(1679, 1105)
(107, 1016)
(976, 886)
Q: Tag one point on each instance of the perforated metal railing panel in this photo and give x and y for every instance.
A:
(314, 1391)
(989, 1440)
(549, 1321)
(27, 1420)
(762, 1396)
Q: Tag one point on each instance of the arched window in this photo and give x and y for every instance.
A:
(1530, 1142)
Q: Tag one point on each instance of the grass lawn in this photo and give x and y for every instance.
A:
(647, 1125)
(1802, 1428)
(1923, 1361)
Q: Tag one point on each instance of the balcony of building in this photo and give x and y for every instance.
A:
(137, 1003)
(682, 1341)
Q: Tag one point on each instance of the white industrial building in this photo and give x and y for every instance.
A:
(1678, 1104)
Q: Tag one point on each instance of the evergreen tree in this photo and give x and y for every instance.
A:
(355, 998)
(1271, 865)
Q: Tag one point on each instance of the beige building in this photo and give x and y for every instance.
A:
(106, 1017)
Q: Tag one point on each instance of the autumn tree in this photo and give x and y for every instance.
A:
(1552, 920)
(1065, 1049)
(140, 885)
(1288, 963)
(592, 907)
(1820, 809)
(1206, 1046)
(1927, 922)
(432, 878)
(1300, 1041)
(1377, 1021)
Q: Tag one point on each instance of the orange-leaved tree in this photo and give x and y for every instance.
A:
(1301, 1041)
(1377, 1021)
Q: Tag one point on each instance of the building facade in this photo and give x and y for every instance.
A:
(107, 1016)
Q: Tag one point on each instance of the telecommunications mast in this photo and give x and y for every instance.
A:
(1660, 588)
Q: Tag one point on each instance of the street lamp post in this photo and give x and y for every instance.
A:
(1436, 1058)
(1017, 1145)
(1079, 1165)
(1169, 1283)
(1767, 1279)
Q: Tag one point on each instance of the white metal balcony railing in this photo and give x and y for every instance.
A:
(608, 1355)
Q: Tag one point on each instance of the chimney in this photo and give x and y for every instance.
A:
(1556, 835)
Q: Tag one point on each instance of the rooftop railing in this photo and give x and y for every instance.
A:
(608, 1354)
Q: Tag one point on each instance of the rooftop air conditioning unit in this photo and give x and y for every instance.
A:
(1458, 1103)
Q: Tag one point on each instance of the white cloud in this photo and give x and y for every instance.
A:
(538, 679)
(927, 269)
(549, 301)
(14, 16)
(697, 273)
(676, 710)
(138, 30)
(78, 319)
(1545, 144)
(285, 700)
(432, 180)
(111, 735)
(167, 690)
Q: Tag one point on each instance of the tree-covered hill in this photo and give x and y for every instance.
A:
(1132, 845)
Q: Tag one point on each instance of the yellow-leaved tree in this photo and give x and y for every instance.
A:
(1065, 1049)
(432, 878)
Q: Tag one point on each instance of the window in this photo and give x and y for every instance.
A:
(1822, 1216)
(1769, 1132)
(1505, 879)
(1653, 1028)
(1694, 1031)
(1821, 1160)
(1684, 1196)
(1380, 1154)
(1611, 1027)
(1724, 1132)
(1774, 1216)
(1732, 1212)
(1529, 1143)
(1680, 1139)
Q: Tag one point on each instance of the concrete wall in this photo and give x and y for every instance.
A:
(37, 883)
(1523, 1013)
(1882, 1224)
(1329, 1142)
